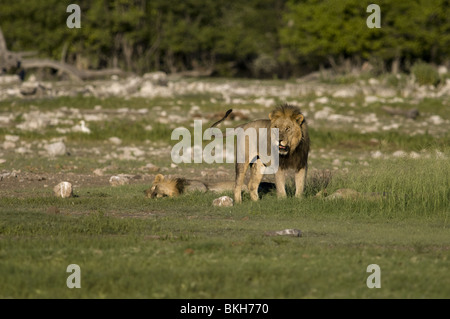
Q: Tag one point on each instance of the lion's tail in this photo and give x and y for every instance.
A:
(222, 119)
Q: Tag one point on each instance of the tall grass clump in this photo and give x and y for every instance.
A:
(425, 74)
(402, 185)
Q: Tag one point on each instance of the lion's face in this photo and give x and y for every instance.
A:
(290, 133)
(159, 191)
(162, 188)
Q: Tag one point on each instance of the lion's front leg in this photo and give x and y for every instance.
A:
(241, 168)
(257, 169)
(280, 183)
(300, 177)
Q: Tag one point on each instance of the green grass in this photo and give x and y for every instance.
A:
(128, 246)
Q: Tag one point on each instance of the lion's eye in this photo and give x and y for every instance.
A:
(287, 128)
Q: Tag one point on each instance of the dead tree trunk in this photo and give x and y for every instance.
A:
(9, 60)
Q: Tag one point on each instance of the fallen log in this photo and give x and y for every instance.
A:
(10, 60)
(73, 72)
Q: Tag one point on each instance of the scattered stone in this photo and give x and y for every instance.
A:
(322, 100)
(157, 78)
(377, 154)
(29, 88)
(13, 174)
(285, 232)
(63, 189)
(9, 79)
(8, 145)
(346, 93)
(399, 154)
(373, 81)
(225, 201)
(436, 119)
(11, 138)
(336, 162)
(115, 140)
(34, 121)
(442, 69)
(56, 149)
(414, 155)
(6, 119)
(22, 150)
(2, 160)
(371, 99)
(119, 180)
(324, 113)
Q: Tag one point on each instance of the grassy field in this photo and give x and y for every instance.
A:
(129, 246)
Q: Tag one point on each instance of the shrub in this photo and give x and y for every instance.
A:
(425, 74)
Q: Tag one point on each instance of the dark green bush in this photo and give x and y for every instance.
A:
(425, 73)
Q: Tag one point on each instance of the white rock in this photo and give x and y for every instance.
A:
(9, 79)
(22, 150)
(371, 99)
(436, 119)
(63, 189)
(414, 155)
(119, 180)
(286, 232)
(442, 69)
(115, 140)
(11, 138)
(8, 145)
(399, 154)
(377, 154)
(373, 81)
(225, 201)
(56, 149)
(336, 162)
(5, 119)
(322, 100)
(323, 114)
(158, 78)
(345, 93)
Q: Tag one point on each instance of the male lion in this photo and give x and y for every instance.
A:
(170, 187)
(293, 145)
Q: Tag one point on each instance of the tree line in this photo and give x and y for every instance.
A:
(256, 38)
